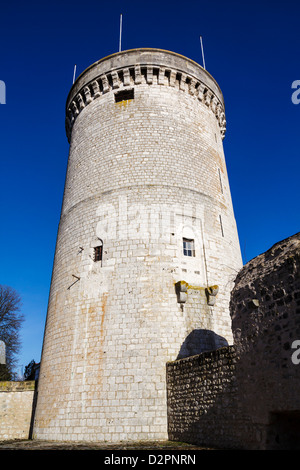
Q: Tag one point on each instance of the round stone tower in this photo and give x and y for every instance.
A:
(147, 246)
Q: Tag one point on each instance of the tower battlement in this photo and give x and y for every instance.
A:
(140, 66)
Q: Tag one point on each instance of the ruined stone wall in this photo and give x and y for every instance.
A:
(16, 407)
(247, 395)
(265, 310)
(203, 400)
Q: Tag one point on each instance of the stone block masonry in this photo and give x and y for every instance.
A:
(146, 176)
(16, 409)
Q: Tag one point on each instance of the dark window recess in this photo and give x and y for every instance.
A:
(124, 95)
(188, 247)
(98, 253)
(220, 178)
(221, 224)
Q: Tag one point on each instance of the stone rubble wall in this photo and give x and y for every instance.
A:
(265, 311)
(247, 395)
(203, 402)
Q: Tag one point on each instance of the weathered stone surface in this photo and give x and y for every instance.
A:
(264, 332)
(202, 399)
(143, 173)
(257, 404)
(16, 407)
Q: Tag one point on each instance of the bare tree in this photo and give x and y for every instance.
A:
(11, 320)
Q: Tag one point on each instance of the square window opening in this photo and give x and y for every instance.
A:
(124, 95)
(188, 247)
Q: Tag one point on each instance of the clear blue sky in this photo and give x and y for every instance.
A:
(252, 50)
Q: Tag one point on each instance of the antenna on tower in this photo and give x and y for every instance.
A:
(120, 39)
(74, 74)
(202, 52)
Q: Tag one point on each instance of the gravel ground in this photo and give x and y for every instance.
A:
(51, 445)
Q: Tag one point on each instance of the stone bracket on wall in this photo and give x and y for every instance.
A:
(211, 294)
(181, 291)
(181, 288)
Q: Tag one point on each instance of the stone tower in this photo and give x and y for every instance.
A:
(147, 246)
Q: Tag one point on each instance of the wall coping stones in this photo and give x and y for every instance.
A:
(15, 386)
(206, 356)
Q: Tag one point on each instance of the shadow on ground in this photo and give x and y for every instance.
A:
(28, 444)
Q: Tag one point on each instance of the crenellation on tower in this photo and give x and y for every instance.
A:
(146, 73)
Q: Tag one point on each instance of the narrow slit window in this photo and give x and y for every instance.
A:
(188, 247)
(124, 95)
(220, 178)
(98, 253)
(221, 224)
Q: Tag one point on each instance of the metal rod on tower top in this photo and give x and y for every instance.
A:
(74, 74)
(202, 51)
(120, 40)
